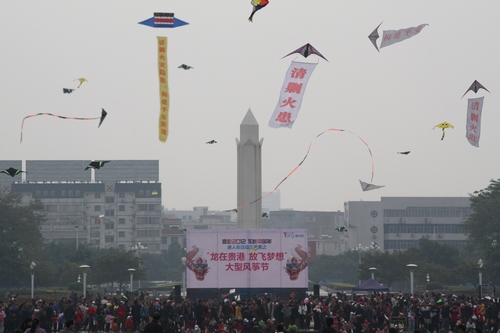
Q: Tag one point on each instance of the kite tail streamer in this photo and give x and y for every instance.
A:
(52, 115)
(442, 136)
(301, 162)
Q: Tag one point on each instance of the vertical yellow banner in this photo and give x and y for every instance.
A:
(164, 95)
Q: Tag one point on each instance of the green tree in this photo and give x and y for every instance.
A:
(113, 267)
(343, 267)
(173, 260)
(155, 265)
(483, 225)
(20, 238)
(391, 267)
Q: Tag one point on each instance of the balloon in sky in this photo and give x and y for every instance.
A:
(475, 86)
(163, 20)
(101, 118)
(306, 51)
(257, 5)
(12, 172)
(443, 126)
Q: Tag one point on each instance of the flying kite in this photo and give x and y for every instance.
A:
(257, 5)
(211, 142)
(185, 67)
(341, 229)
(390, 37)
(81, 80)
(444, 126)
(306, 51)
(364, 186)
(404, 152)
(68, 90)
(96, 164)
(374, 36)
(101, 118)
(475, 86)
(12, 172)
(163, 20)
(368, 187)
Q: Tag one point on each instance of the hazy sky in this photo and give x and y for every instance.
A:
(392, 99)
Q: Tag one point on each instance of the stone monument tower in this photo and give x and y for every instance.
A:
(249, 174)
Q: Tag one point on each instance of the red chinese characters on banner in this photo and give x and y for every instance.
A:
(241, 256)
(240, 267)
(164, 94)
(473, 129)
(293, 88)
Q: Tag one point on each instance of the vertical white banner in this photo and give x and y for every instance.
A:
(395, 36)
(473, 129)
(291, 94)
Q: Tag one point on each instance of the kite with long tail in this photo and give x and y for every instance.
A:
(364, 186)
(101, 118)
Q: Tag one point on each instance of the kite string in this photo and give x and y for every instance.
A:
(52, 115)
(305, 157)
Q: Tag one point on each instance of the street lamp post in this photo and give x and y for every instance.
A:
(183, 259)
(77, 227)
(480, 271)
(138, 247)
(131, 270)
(412, 267)
(84, 268)
(32, 266)
(372, 271)
(428, 278)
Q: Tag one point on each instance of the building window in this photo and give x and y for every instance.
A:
(97, 195)
(109, 239)
(121, 234)
(174, 239)
(121, 221)
(97, 208)
(153, 246)
(148, 193)
(77, 193)
(121, 208)
(109, 212)
(164, 240)
(142, 233)
(109, 199)
(153, 233)
(50, 208)
(121, 246)
(45, 193)
(109, 226)
(63, 193)
(70, 193)
(141, 193)
(121, 195)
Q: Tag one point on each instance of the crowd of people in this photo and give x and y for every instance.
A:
(374, 313)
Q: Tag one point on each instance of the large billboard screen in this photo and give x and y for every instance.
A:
(257, 258)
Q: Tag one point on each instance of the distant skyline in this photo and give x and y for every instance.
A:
(392, 98)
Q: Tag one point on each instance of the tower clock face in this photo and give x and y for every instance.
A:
(374, 229)
(373, 213)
